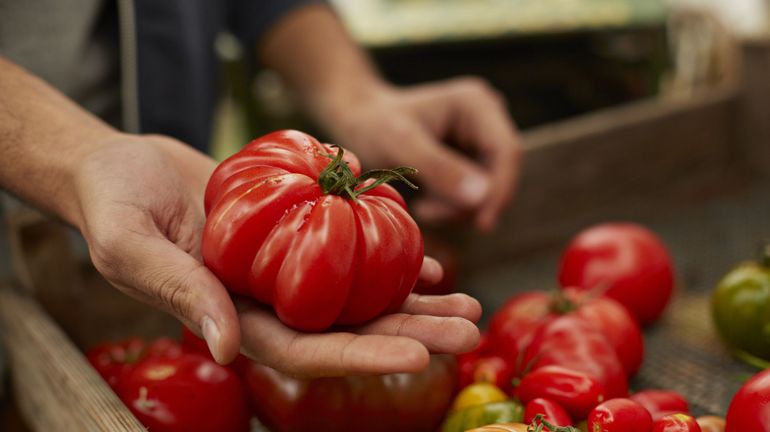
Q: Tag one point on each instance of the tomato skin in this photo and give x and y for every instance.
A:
(676, 423)
(629, 260)
(750, 407)
(552, 412)
(479, 393)
(618, 326)
(661, 402)
(493, 369)
(514, 325)
(483, 364)
(740, 306)
(619, 415)
(482, 415)
(711, 424)
(574, 391)
(188, 393)
(413, 402)
(571, 342)
(114, 360)
(319, 259)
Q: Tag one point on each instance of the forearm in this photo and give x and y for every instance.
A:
(312, 51)
(43, 136)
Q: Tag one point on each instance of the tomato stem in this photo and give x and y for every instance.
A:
(765, 260)
(561, 304)
(338, 179)
(752, 360)
(539, 423)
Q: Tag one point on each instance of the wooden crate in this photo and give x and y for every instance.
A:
(608, 162)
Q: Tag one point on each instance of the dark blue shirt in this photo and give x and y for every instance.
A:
(175, 60)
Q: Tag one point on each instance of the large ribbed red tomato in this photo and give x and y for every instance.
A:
(292, 222)
(514, 325)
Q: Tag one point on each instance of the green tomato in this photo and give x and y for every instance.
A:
(482, 415)
(741, 309)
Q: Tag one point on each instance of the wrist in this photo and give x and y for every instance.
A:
(336, 105)
(85, 155)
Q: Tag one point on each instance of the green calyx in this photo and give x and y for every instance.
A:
(765, 256)
(338, 179)
(539, 424)
(562, 305)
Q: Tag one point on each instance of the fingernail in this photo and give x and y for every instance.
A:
(473, 189)
(211, 335)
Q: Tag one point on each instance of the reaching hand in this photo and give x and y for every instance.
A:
(140, 210)
(414, 126)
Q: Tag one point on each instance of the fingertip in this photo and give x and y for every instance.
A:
(408, 356)
(431, 272)
(468, 337)
(486, 221)
(473, 189)
(465, 336)
(468, 307)
(224, 346)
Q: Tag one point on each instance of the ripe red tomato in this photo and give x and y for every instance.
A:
(484, 364)
(574, 391)
(572, 342)
(448, 257)
(661, 402)
(552, 412)
(189, 393)
(676, 423)
(488, 368)
(397, 402)
(293, 226)
(750, 408)
(114, 360)
(627, 260)
(618, 326)
(620, 415)
(513, 326)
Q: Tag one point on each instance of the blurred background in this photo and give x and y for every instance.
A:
(646, 110)
(552, 59)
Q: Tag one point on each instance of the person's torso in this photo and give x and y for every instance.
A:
(72, 45)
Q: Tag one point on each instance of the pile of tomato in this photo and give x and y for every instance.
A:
(562, 360)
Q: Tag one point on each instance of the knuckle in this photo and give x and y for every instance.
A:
(171, 294)
(169, 289)
(345, 359)
(510, 151)
(478, 87)
(103, 247)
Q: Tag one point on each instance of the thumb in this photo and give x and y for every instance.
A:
(158, 272)
(447, 173)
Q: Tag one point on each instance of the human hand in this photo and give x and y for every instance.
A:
(413, 126)
(140, 210)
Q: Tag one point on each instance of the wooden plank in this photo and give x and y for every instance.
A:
(54, 386)
(756, 102)
(613, 163)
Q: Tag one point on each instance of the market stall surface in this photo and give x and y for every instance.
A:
(684, 352)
